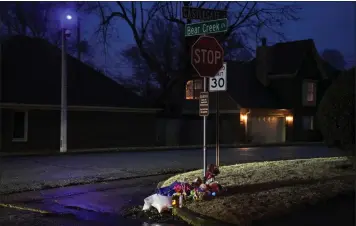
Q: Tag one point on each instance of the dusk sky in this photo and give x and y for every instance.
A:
(330, 24)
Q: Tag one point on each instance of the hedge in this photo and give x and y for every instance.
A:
(336, 111)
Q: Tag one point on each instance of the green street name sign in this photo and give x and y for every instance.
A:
(206, 27)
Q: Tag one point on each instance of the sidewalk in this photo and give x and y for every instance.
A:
(149, 149)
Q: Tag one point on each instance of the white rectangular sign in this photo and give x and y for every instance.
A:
(218, 83)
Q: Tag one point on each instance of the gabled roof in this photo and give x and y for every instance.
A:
(244, 87)
(32, 61)
(286, 58)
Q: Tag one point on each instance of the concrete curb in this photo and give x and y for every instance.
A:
(150, 149)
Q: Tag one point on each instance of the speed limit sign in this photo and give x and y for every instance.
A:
(218, 82)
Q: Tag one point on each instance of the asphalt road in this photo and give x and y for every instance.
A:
(101, 205)
(92, 204)
(19, 173)
(170, 159)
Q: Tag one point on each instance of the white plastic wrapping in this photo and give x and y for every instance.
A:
(147, 203)
(159, 202)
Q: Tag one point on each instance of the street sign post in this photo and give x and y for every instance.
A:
(207, 59)
(204, 111)
(218, 82)
(207, 56)
(207, 27)
(204, 104)
(203, 14)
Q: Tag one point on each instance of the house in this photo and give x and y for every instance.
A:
(101, 112)
(272, 98)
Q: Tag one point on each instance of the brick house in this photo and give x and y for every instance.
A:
(101, 112)
(272, 98)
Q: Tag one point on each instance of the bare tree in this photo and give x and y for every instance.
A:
(166, 45)
(27, 18)
(142, 78)
(247, 20)
(38, 19)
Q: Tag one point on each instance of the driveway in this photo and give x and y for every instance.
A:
(36, 172)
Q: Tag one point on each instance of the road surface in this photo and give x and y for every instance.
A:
(101, 205)
(93, 204)
(37, 172)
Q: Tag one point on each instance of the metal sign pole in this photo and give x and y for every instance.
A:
(204, 136)
(217, 130)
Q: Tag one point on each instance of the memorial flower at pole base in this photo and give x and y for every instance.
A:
(215, 187)
(197, 182)
(211, 173)
(175, 199)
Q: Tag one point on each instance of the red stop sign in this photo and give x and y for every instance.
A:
(207, 56)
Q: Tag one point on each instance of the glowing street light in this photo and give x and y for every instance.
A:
(64, 107)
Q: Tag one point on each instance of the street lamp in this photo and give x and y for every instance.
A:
(65, 32)
(64, 107)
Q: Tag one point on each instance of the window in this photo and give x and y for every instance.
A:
(193, 89)
(19, 132)
(308, 122)
(310, 91)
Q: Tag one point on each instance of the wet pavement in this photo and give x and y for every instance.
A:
(93, 204)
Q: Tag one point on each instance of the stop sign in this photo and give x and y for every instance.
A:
(207, 56)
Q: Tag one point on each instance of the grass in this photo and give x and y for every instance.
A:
(250, 205)
(245, 208)
(273, 171)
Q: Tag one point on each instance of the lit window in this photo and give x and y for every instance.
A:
(310, 91)
(193, 89)
(189, 94)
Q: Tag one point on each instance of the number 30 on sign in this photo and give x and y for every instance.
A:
(218, 82)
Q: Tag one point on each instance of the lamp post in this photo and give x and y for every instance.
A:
(78, 40)
(64, 107)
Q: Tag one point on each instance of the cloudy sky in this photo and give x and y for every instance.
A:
(331, 25)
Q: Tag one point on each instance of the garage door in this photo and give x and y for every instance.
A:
(266, 129)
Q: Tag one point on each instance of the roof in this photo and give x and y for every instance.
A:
(35, 61)
(287, 57)
(244, 87)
